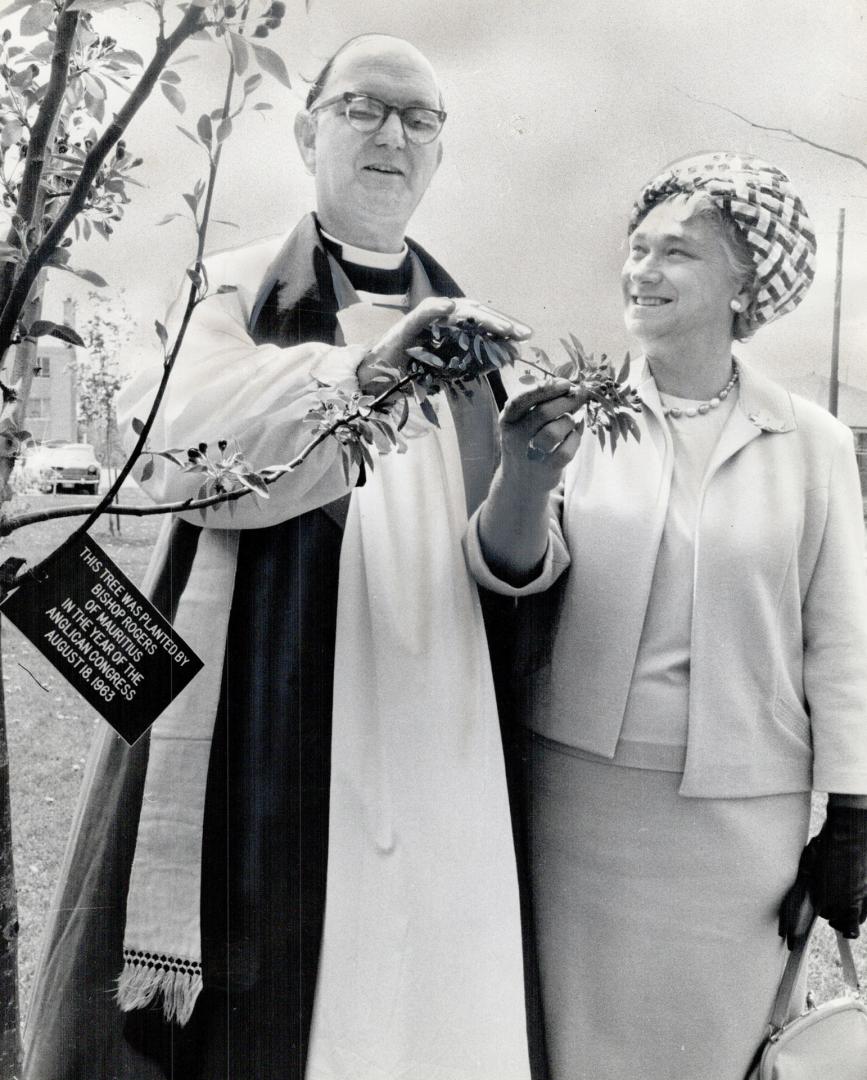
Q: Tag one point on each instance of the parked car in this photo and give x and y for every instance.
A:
(54, 466)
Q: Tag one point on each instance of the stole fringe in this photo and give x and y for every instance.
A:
(140, 983)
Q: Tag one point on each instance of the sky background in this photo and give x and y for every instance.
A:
(558, 111)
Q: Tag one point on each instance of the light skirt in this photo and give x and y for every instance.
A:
(656, 918)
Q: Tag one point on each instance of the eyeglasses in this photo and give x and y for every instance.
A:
(368, 114)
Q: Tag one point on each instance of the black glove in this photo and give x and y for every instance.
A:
(833, 872)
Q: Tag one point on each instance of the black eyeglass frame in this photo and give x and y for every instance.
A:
(348, 96)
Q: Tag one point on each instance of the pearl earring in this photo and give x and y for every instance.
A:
(736, 305)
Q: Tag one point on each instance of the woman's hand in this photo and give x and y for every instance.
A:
(390, 350)
(538, 436)
(538, 439)
(833, 872)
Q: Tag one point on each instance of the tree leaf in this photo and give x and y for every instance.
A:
(634, 429)
(189, 135)
(224, 129)
(94, 86)
(251, 83)
(162, 333)
(262, 106)
(380, 440)
(37, 18)
(222, 221)
(170, 77)
(240, 52)
(227, 288)
(129, 56)
(137, 425)
(168, 218)
(203, 127)
(96, 5)
(385, 427)
(499, 353)
(16, 5)
(46, 328)
(86, 275)
(41, 52)
(254, 483)
(176, 98)
(429, 412)
(191, 201)
(271, 63)
(366, 456)
(419, 353)
(147, 471)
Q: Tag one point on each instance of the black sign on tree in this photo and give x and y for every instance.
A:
(103, 635)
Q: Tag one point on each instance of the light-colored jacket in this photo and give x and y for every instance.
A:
(778, 674)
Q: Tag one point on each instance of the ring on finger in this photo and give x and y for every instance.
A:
(536, 453)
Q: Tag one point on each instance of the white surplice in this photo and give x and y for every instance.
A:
(421, 973)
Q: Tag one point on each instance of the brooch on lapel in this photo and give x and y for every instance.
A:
(767, 422)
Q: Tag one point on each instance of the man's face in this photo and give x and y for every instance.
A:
(369, 184)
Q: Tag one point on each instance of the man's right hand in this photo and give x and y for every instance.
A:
(390, 350)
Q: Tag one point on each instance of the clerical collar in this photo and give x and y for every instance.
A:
(377, 260)
(384, 273)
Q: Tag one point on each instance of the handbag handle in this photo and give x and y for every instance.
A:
(783, 1000)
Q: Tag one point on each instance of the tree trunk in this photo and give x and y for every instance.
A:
(10, 1037)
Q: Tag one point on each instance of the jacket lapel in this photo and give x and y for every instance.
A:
(762, 406)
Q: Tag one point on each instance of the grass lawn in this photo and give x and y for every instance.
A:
(50, 729)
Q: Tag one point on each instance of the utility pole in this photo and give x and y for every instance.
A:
(835, 341)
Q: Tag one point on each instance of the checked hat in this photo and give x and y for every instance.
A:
(760, 200)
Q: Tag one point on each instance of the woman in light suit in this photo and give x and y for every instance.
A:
(708, 650)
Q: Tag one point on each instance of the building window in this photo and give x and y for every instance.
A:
(44, 365)
(39, 408)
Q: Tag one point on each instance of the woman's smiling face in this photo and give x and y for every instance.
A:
(677, 280)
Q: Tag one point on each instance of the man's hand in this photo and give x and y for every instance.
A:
(538, 435)
(390, 350)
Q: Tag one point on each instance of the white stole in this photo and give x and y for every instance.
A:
(421, 973)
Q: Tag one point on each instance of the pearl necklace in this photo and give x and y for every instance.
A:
(703, 407)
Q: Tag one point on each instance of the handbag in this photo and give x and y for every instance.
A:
(828, 1041)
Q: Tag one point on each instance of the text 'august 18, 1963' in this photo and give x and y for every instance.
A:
(104, 635)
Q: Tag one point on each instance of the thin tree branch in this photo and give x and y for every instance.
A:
(192, 300)
(780, 131)
(8, 525)
(78, 195)
(43, 126)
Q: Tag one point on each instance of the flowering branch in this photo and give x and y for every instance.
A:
(449, 357)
